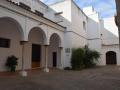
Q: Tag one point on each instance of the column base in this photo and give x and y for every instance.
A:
(23, 73)
(46, 70)
(61, 68)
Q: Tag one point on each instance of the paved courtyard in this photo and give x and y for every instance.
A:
(100, 78)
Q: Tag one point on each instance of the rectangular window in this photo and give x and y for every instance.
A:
(4, 43)
(25, 6)
(84, 25)
(39, 13)
(67, 50)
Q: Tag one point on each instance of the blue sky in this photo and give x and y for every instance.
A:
(106, 8)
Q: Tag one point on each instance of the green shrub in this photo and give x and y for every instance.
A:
(11, 63)
(90, 57)
(84, 58)
(77, 59)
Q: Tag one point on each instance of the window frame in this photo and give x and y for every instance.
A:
(4, 42)
(84, 25)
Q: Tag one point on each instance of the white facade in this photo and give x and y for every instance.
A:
(55, 30)
(18, 24)
(109, 38)
(73, 19)
(102, 35)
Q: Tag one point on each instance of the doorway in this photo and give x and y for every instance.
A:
(111, 58)
(36, 55)
(54, 59)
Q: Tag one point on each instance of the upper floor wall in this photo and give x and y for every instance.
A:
(65, 8)
(79, 20)
(38, 7)
(74, 19)
(33, 4)
(109, 31)
(91, 13)
(93, 24)
(104, 29)
(27, 20)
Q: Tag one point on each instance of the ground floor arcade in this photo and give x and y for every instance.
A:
(32, 53)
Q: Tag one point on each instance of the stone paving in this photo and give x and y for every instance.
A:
(100, 78)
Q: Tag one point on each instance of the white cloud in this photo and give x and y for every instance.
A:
(101, 7)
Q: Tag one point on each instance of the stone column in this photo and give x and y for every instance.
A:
(23, 72)
(61, 58)
(46, 69)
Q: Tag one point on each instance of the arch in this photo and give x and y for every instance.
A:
(111, 58)
(37, 38)
(11, 33)
(54, 51)
(57, 38)
(44, 36)
(20, 29)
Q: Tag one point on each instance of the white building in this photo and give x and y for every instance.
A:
(103, 37)
(109, 42)
(43, 36)
(27, 33)
(76, 22)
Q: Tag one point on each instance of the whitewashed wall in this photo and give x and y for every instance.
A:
(22, 23)
(109, 38)
(109, 31)
(93, 29)
(102, 34)
(73, 18)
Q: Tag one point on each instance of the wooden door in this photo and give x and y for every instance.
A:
(36, 55)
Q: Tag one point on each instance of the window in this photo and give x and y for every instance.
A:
(24, 6)
(84, 25)
(39, 13)
(5, 43)
(67, 50)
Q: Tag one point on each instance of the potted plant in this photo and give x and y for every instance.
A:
(12, 63)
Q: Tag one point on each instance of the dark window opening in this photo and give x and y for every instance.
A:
(24, 6)
(84, 25)
(67, 50)
(39, 13)
(54, 59)
(5, 43)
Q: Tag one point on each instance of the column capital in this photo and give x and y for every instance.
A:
(60, 47)
(46, 45)
(23, 42)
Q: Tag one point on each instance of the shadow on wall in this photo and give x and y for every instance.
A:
(104, 30)
(109, 32)
(103, 37)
